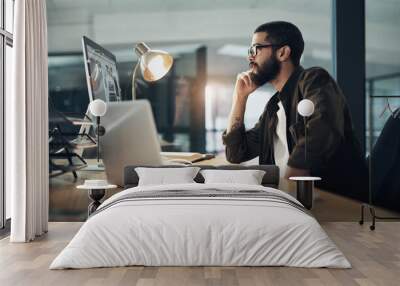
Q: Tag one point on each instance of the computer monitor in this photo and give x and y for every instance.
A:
(101, 72)
(130, 138)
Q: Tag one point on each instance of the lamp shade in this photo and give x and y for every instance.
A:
(154, 64)
(305, 107)
(98, 107)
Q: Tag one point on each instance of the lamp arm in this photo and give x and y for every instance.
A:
(134, 75)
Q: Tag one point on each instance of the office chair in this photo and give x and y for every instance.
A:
(63, 145)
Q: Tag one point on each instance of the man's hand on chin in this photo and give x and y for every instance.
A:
(294, 172)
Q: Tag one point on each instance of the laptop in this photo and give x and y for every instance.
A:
(130, 138)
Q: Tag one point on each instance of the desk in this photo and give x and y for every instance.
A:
(217, 160)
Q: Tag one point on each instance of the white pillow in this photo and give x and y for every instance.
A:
(164, 176)
(248, 177)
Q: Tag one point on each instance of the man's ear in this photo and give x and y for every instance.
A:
(284, 53)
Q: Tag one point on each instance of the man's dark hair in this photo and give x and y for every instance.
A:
(284, 33)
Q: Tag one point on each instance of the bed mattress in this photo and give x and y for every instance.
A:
(201, 225)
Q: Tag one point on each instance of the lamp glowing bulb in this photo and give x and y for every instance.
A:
(156, 67)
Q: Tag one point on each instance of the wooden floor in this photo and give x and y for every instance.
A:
(374, 255)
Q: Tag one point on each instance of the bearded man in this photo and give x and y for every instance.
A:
(333, 152)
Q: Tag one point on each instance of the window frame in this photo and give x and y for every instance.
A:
(6, 39)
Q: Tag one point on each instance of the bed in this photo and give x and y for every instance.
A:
(198, 224)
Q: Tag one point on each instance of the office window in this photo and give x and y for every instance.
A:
(6, 42)
(382, 64)
(383, 100)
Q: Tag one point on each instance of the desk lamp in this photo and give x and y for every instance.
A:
(154, 64)
(98, 108)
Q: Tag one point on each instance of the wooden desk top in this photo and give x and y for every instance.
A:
(220, 159)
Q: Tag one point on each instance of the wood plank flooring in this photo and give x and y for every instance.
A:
(374, 255)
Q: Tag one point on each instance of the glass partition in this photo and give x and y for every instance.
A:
(383, 103)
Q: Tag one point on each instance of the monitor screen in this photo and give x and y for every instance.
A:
(101, 72)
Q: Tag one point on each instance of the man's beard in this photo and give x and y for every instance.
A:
(266, 72)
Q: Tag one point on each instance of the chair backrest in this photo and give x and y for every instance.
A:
(57, 118)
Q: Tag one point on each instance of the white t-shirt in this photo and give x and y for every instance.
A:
(281, 151)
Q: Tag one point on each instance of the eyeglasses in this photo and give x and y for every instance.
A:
(253, 50)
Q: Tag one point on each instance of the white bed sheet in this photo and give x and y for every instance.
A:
(200, 231)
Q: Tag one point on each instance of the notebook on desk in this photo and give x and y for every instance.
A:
(187, 156)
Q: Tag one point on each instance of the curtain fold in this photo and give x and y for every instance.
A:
(27, 123)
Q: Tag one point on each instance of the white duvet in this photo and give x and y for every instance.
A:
(200, 231)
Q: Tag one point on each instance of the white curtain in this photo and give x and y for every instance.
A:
(27, 123)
